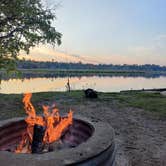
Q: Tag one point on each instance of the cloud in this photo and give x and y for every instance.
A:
(153, 52)
(46, 53)
(160, 37)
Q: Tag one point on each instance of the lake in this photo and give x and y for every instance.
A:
(99, 83)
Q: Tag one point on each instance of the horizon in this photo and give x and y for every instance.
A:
(121, 32)
(90, 63)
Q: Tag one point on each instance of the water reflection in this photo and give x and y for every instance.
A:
(64, 74)
(100, 83)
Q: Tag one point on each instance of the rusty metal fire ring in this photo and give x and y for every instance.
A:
(96, 149)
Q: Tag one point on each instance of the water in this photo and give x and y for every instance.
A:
(104, 84)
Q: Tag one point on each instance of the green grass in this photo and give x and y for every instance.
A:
(153, 102)
(11, 105)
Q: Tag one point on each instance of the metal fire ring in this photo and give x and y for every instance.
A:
(98, 150)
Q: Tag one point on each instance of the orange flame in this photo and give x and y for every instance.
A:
(55, 125)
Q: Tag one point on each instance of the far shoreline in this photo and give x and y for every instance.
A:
(23, 73)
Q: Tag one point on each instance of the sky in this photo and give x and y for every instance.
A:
(108, 31)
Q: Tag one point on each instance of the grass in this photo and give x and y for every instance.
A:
(11, 105)
(153, 102)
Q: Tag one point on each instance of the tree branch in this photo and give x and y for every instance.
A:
(10, 34)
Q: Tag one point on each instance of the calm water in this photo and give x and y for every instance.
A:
(104, 84)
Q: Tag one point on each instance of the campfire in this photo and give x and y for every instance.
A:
(71, 140)
(42, 130)
(83, 142)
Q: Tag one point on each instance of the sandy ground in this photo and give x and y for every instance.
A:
(140, 137)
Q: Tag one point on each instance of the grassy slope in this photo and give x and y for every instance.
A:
(11, 106)
(154, 102)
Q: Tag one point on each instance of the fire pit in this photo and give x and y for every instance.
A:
(85, 143)
(51, 139)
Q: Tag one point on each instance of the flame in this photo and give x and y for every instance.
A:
(51, 119)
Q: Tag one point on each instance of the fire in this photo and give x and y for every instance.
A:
(55, 124)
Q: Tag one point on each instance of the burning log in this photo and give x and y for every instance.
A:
(38, 135)
(42, 130)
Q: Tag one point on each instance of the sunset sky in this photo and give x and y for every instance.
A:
(109, 31)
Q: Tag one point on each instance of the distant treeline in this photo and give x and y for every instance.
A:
(28, 64)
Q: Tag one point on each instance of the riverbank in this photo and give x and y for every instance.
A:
(150, 102)
(139, 120)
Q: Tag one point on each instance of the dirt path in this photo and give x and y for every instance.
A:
(140, 137)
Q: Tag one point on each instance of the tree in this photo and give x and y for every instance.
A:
(24, 24)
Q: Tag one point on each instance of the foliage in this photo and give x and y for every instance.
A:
(24, 24)
(22, 64)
